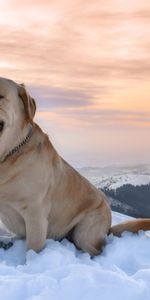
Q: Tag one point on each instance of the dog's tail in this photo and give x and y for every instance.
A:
(131, 226)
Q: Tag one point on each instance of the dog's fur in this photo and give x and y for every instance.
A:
(41, 195)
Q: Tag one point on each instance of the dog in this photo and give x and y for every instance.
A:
(41, 195)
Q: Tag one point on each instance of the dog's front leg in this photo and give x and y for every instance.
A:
(36, 229)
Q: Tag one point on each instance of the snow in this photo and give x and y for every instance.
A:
(112, 178)
(61, 272)
(133, 179)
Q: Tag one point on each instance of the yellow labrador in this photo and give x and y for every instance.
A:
(41, 195)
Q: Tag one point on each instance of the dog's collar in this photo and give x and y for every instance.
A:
(23, 143)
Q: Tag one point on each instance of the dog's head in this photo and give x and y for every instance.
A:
(17, 110)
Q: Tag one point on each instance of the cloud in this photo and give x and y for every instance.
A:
(51, 98)
(75, 44)
(93, 117)
(78, 58)
(87, 65)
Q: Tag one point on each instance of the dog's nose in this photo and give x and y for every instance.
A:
(1, 125)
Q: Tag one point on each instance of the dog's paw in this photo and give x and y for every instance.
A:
(6, 245)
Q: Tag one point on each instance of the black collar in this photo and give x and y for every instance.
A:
(23, 143)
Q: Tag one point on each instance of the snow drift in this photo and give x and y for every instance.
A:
(61, 272)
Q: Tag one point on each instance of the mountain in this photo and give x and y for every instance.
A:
(127, 187)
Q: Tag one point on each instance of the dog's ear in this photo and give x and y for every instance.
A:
(29, 103)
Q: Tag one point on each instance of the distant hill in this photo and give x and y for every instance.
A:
(131, 200)
(127, 187)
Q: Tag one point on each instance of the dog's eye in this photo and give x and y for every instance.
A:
(1, 97)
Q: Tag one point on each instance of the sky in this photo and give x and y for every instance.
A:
(87, 64)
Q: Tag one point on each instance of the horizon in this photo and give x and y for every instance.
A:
(120, 166)
(86, 63)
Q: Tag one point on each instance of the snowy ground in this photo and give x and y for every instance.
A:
(60, 272)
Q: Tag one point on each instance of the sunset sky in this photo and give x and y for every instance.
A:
(87, 64)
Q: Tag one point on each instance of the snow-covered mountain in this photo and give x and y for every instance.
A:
(114, 177)
(128, 188)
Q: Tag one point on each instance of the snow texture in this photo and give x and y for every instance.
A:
(133, 179)
(61, 272)
(112, 178)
